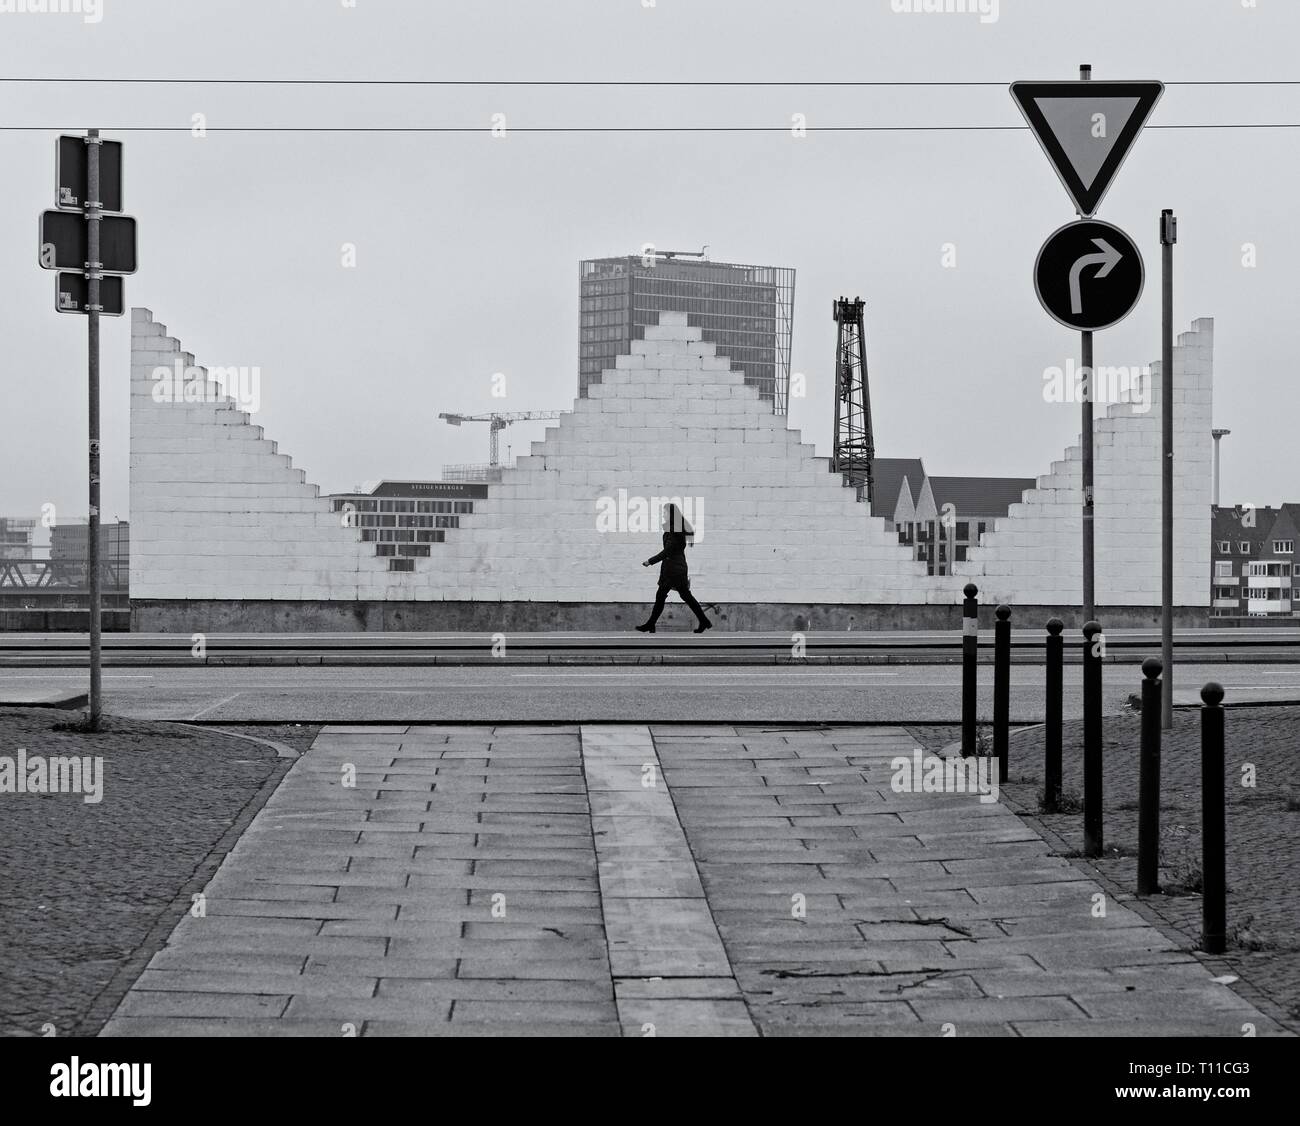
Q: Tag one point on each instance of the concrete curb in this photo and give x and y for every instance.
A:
(282, 750)
(67, 701)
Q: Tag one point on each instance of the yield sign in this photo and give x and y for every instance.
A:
(1086, 129)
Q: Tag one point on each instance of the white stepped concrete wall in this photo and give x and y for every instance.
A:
(1033, 555)
(223, 514)
(218, 513)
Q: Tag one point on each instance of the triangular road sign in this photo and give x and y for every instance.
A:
(1086, 129)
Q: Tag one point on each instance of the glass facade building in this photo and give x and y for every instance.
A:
(746, 311)
(16, 537)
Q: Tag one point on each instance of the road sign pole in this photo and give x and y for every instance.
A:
(1064, 118)
(1168, 236)
(93, 266)
(1089, 590)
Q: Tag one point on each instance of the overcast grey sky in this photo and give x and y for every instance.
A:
(467, 245)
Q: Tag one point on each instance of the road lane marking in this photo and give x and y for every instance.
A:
(77, 676)
(213, 707)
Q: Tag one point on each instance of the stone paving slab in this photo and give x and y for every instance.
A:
(642, 1017)
(846, 907)
(499, 1025)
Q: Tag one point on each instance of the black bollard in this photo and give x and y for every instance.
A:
(1149, 781)
(1214, 937)
(1052, 716)
(970, 640)
(1093, 640)
(1002, 689)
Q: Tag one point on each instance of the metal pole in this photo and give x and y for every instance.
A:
(1092, 837)
(1052, 716)
(1089, 587)
(970, 639)
(1168, 236)
(1002, 689)
(93, 267)
(1148, 874)
(1213, 855)
(1217, 434)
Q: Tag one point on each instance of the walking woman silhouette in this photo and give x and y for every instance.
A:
(672, 569)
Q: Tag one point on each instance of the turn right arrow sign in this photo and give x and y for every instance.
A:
(1089, 275)
(1108, 259)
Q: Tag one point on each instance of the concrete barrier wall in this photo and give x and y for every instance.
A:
(66, 620)
(277, 616)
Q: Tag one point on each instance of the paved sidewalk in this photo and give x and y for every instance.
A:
(1262, 779)
(591, 881)
(848, 908)
(451, 891)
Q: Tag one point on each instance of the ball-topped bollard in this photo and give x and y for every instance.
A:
(1092, 736)
(970, 639)
(1148, 866)
(1052, 715)
(1002, 689)
(1214, 901)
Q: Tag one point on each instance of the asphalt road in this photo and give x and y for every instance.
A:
(673, 645)
(898, 694)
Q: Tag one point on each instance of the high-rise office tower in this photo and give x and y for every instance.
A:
(747, 311)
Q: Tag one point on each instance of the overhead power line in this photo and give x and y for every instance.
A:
(603, 128)
(668, 82)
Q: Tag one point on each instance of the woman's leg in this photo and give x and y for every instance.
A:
(661, 596)
(685, 591)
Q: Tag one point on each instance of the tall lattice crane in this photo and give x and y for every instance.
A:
(855, 449)
(497, 422)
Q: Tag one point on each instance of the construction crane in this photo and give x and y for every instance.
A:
(854, 451)
(498, 422)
